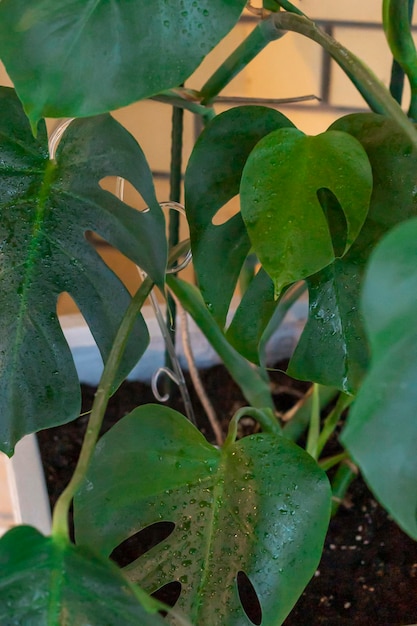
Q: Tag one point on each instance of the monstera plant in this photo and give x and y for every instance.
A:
(244, 523)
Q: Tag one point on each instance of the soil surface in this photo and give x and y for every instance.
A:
(368, 572)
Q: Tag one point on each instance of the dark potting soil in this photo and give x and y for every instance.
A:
(368, 572)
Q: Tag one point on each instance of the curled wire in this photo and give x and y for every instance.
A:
(176, 206)
(155, 379)
(56, 136)
(176, 375)
(258, 11)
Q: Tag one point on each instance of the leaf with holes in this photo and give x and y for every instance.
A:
(381, 432)
(255, 512)
(281, 204)
(46, 208)
(333, 349)
(44, 581)
(76, 58)
(211, 180)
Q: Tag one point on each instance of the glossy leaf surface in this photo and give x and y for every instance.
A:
(211, 180)
(333, 350)
(46, 207)
(259, 505)
(288, 228)
(45, 582)
(83, 57)
(381, 432)
(252, 316)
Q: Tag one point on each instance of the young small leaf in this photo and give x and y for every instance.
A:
(280, 189)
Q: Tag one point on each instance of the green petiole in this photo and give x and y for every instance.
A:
(396, 21)
(60, 528)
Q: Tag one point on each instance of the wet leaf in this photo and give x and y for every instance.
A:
(211, 180)
(280, 192)
(76, 58)
(381, 432)
(333, 350)
(46, 208)
(258, 506)
(43, 581)
(252, 316)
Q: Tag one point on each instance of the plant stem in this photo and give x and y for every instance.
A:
(288, 6)
(174, 224)
(255, 389)
(60, 515)
(314, 428)
(298, 419)
(263, 33)
(397, 16)
(369, 86)
(345, 474)
(396, 85)
(265, 417)
(332, 420)
(331, 461)
(186, 99)
(288, 299)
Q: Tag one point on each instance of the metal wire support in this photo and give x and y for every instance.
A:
(155, 379)
(176, 374)
(56, 136)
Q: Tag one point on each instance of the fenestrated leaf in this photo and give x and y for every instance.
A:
(258, 506)
(333, 349)
(82, 57)
(46, 207)
(211, 180)
(280, 187)
(43, 581)
(381, 431)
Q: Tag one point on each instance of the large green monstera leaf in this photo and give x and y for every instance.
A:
(45, 209)
(45, 581)
(381, 432)
(82, 57)
(257, 509)
(333, 349)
